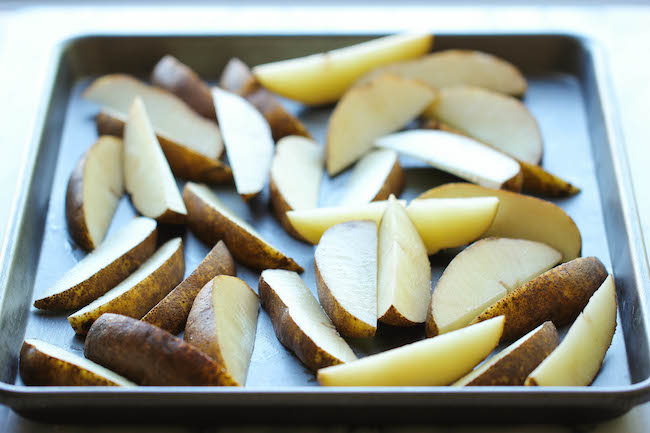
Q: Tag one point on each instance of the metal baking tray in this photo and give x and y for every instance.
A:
(569, 96)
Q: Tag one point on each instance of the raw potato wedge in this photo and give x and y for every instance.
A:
(43, 364)
(179, 79)
(368, 112)
(295, 158)
(431, 362)
(459, 67)
(212, 221)
(94, 191)
(238, 78)
(142, 290)
(480, 275)
(458, 155)
(248, 140)
(558, 295)
(404, 271)
(512, 365)
(376, 176)
(521, 217)
(104, 268)
(222, 324)
(171, 313)
(147, 355)
(323, 78)
(578, 358)
(345, 263)
(147, 176)
(299, 322)
(452, 222)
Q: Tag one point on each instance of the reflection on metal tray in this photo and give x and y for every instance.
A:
(565, 95)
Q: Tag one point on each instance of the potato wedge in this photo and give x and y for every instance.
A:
(211, 221)
(521, 217)
(512, 365)
(323, 78)
(345, 263)
(94, 191)
(147, 355)
(223, 323)
(238, 78)
(299, 322)
(376, 176)
(368, 112)
(171, 313)
(43, 364)
(578, 358)
(558, 295)
(142, 290)
(104, 268)
(430, 362)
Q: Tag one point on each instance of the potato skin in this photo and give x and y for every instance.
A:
(148, 355)
(539, 181)
(74, 207)
(394, 318)
(559, 295)
(280, 209)
(171, 313)
(290, 334)
(210, 226)
(394, 183)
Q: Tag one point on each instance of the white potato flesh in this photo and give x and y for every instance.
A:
(434, 361)
(297, 170)
(369, 176)
(404, 276)
(70, 358)
(576, 361)
(236, 308)
(450, 223)
(248, 140)
(455, 154)
(483, 273)
(307, 313)
(147, 175)
(170, 117)
(312, 223)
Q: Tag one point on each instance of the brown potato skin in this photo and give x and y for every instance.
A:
(87, 291)
(514, 184)
(430, 326)
(514, 368)
(171, 313)
(237, 77)
(179, 79)
(280, 209)
(290, 334)
(74, 207)
(184, 162)
(148, 355)
(210, 226)
(394, 183)
(39, 369)
(394, 318)
(559, 295)
(137, 301)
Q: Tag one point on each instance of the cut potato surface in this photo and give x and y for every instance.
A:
(578, 358)
(248, 140)
(480, 275)
(43, 364)
(368, 112)
(431, 362)
(449, 223)
(521, 217)
(142, 290)
(299, 322)
(238, 78)
(346, 275)
(404, 271)
(222, 324)
(375, 176)
(212, 221)
(105, 267)
(458, 155)
(511, 366)
(94, 191)
(147, 176)
(323, 78)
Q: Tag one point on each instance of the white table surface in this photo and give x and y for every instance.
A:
(623, 31)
